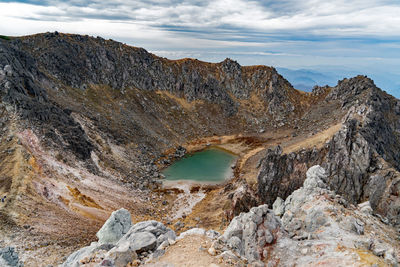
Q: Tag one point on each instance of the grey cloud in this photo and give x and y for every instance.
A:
(309, 17)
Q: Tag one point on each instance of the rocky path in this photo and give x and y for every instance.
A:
(188, 252)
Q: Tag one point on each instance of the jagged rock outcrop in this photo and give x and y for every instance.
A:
(249, 233)
(317, 226)
(280, 174)
(348, 161)
(240, 200)
(352, 157)
(22, 87)
(120, 243)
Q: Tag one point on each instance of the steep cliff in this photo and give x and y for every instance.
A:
(361, 159)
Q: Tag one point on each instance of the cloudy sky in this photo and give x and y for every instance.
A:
(348, 35)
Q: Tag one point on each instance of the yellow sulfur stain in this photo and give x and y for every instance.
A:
(368, 259)
(83, 199)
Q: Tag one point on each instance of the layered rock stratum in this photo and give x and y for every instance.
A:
(88, 124)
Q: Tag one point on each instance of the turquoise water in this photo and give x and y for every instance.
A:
(210, 165)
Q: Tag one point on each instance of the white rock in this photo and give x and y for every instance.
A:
(390, 257)
(3, 263)
(115, 227)
(365, 207)
(8, 70)
(121, 255)
(316, 177)
(228, 255)
(139, 241)
(194, 231)
(235, 228)
(278, 207)
(212, 234)
(163, 245)
(74, 259)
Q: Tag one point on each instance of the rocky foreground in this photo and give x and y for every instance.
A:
(314, 226)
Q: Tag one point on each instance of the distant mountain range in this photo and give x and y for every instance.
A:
(306, 79)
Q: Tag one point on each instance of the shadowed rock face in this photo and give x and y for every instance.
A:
(22, 87)
(281, 174)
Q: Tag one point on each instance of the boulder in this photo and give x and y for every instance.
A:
(139, 242)
(235, 228)
(115, 227)
(143, 237)
(212, 251)
(121, 255)
(212, 234)
(147, 236)
(235, 244)
(315, 219)
(75, 259)
(228, 256)
(365, 207)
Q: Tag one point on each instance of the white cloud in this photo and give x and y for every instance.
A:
(299, 32)
(340, 17)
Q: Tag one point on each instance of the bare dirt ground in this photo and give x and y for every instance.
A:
(188, 252)
(315, 140)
